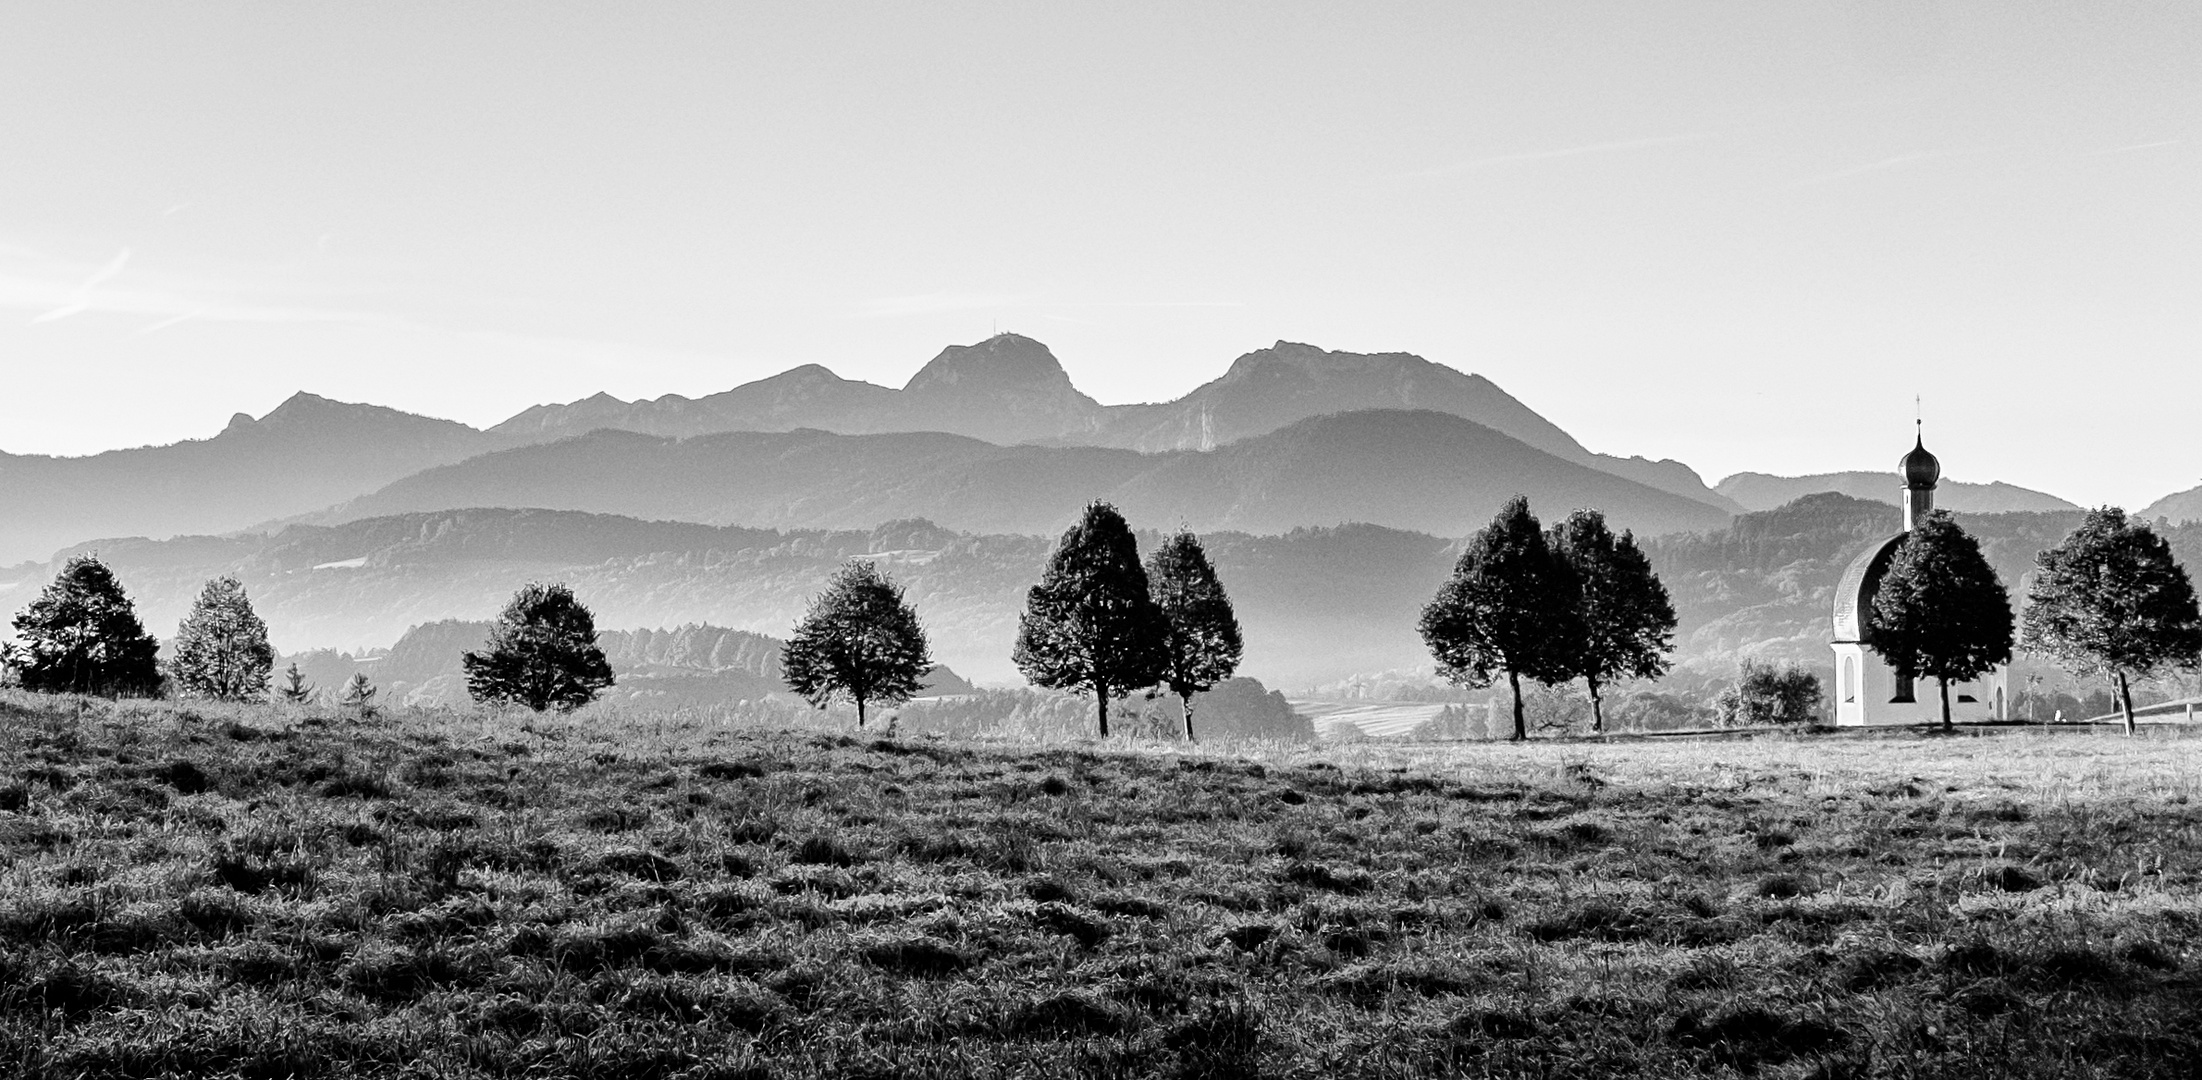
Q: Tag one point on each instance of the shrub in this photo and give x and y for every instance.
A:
(1763, 694)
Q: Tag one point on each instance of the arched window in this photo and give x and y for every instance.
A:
(1850, 679)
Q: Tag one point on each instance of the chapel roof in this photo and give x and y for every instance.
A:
(1854, 593)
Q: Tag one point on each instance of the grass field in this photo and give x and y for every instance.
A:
(205, 891)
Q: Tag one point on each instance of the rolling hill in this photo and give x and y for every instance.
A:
(304, 455)
(2184, 506)
(1318, 604)
(1760, 491)
(1426, 471)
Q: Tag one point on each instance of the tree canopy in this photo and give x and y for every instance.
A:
(1624, 619)
(1091, 622)
(1509, 607)
(859, 640)
(82, 636)
(2111, 601)
(1203, 644)
(1940, 612)
(542, 653)
(221, 649)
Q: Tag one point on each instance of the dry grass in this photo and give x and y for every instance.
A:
(253, 893)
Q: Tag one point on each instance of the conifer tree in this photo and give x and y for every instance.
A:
(1203, 645)
(82, 636)
(358, 693)
(221, 649)
(859, 640)
(295, 690)
(2111, 601)
(1509, 606)
(1940, 611)
(1624, 618)
(1091, 622)
(541, 654)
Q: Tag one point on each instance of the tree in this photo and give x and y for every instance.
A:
(1203, 644)
(295, 689)
(82, 636)
(1764, 694)
(541, 654)
(859, 640)
(1091, 623)
(2111, 601)
(358, 693)
(221, 649)
(1624, 619)
(1509, 606)
(1940, 611)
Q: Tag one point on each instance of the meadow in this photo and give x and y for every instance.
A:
(269, 892)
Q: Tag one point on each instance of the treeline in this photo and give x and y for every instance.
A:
(1575, 603)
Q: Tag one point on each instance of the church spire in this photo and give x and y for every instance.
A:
(1921, 472)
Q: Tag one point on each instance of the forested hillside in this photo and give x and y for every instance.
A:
(1318, 605)
(1428, 471)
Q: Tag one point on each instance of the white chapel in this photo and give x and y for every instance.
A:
(1867, 689)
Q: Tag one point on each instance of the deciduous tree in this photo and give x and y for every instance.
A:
(82, 636)
(541, 654)
(1509, 607)
(1203, 644)
(221, 649)
(1624, 619)
(1091, 622)
(2111, 601)
(1940, 611)
(859, 640)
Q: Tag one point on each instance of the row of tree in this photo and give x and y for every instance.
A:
(1574, 603)
(2109, 601)
(82, 636)
(1098, 621)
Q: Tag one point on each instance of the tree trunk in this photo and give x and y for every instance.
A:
(1521, 723)
(1597, 711)
(1188, 700)
(1101, 706)
(2125, 701)
(1946, 724)
(860, 713)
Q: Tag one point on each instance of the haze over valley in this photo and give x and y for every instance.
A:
(1333, 488)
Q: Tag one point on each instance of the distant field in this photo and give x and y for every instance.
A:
(1380, 720)
(249, 892)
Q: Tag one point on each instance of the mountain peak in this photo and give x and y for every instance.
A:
(1004, 361)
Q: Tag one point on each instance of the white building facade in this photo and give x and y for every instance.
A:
(1869, 692)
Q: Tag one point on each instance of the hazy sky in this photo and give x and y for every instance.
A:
(1739, 234)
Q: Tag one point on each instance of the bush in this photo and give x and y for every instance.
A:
(1763, 695)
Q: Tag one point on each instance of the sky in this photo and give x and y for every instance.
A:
(1742, 235)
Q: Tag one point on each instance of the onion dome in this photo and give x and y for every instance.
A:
(1919, 468)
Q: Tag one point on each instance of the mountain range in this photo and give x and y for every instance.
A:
(1426, 471)
(1008, 391)
(988, 438)
(1011, 389)
(1759, 491)
(307, 453)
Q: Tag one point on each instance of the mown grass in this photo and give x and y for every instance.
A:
(250, 892)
